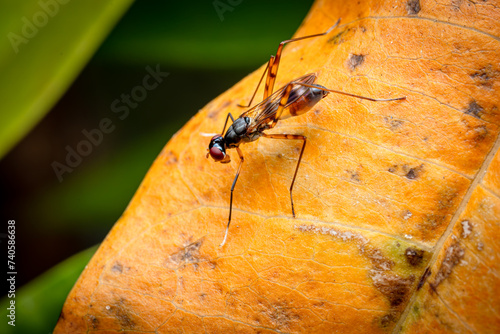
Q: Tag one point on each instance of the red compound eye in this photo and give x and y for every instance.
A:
(216, 154)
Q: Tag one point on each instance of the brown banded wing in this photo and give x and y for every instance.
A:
(265, 112)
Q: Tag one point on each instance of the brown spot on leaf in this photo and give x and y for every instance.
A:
(282, 317)
(394, 124)
(393, 286)
(476, 133)
(413, 7)
(124, 319)
(414, 172)
(435, 221)
(454, 254)
(170, 158)
(431, 222)
(189, 254)
(117, 267)
(354, 175)
(485, 76)
(119, 312)
(354, 61)
(387, 320)
(378, 260)
(480, 132)
(93, 321)
(474, 109)
(410, 173)
(447, 199)
(414, 256)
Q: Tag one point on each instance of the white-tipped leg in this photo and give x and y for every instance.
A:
(225, 236)
(231, 198)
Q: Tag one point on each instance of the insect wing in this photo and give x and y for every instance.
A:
(265, 111)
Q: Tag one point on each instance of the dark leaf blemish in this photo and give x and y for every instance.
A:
(485, 76)
(355, 61)
(414, 172)
(454, 254)
(189, 254)
(117, 267)
(474, 109)
(413, 7)
(394, 287)
(414, 256)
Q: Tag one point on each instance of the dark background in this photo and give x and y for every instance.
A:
(204, 54)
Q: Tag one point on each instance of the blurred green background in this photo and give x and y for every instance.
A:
(205, 46)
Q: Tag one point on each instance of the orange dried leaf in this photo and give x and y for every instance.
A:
(397, 203)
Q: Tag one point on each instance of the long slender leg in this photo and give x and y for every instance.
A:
(269, 63)
(273, 71)
(225, 123)
(273, 64)
(282, 104)
(283, 101)
(293, 137)
(231, 198)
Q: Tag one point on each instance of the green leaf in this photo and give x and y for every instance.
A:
(38, 303)
(45, 46)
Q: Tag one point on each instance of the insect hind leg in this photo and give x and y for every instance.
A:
(292, 137)
(273, 65)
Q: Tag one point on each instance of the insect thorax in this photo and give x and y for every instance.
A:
(237, 131)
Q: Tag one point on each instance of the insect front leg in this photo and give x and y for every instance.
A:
(225, 123)
(231, 198)
(293, 137)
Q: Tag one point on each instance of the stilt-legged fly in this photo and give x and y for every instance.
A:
(295, 98)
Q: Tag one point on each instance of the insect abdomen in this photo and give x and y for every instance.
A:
(304, 103)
